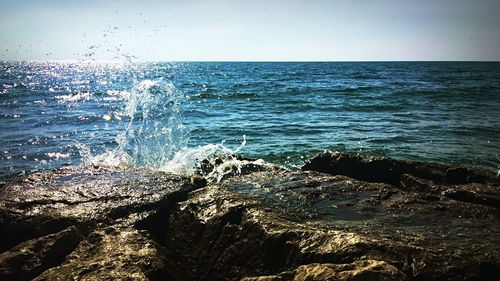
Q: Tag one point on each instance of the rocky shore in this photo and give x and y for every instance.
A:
(341, 217)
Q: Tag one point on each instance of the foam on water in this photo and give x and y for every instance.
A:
(190, 161)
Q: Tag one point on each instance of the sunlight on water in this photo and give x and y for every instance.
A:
(173, 116)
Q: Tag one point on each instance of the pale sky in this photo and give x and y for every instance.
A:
(252, 30)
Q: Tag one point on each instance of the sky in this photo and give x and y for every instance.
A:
(224, 30)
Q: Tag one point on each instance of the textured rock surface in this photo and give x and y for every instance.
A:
(80, 223)
(31, 258)
(358, 270)
(269, 222)
(382, 169)
(394, 222)
(113, 253)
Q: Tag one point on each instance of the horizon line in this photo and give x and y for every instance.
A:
(231, 61)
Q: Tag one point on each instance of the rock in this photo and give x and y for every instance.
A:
(461, 175)
(47, 214)
(90, 195)
(31, 258)
(474, 185)
(382, 169)
(17, 226)
(271, 223)
(473, 196)
(198, 182)
(396, 221)
(358, 270)
(113, 253)
(411, 183)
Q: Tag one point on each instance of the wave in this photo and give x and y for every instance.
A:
(154, 132)
(212, 161)
(156, 138)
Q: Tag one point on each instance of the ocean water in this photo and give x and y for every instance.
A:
(169, 116)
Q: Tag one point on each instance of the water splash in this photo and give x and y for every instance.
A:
(154, 132)
(156, 138)
(213, 161)
(113, 158)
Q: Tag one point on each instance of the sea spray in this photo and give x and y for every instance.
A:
(156, 138)
(213, 161)
(154, 132)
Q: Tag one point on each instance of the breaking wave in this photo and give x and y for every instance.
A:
(154, 131)
(212, 161)
(155, 137)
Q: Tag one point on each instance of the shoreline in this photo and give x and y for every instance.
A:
(8, 177)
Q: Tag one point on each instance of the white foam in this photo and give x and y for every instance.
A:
(75, 97)
(112, 158)
(57, 155)
(188, 161)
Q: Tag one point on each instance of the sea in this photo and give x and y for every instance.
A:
(169, 116)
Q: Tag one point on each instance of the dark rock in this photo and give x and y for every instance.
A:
(382, 169)
(403, 221)
(356, 271)
(114, 253)
(17, 226)
(462, 175)
(473, 197)
(31, 258)
(199, 182)
(272, 223)
(411, 183)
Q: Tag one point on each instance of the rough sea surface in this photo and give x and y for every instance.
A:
(166, 115)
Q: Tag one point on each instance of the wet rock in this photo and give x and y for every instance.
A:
(31, 258)
(358, 270)
(269, 224)
(44, 216)
(382, 169)
(114, 253)
(89, 195)
(387, 220)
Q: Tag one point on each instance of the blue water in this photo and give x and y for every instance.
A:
(53, 114)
